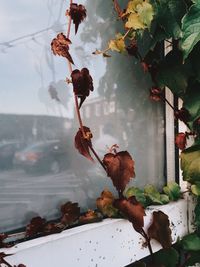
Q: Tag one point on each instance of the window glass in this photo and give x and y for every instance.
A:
(39, 166)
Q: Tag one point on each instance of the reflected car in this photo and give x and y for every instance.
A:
(7, 152)
(48, 156)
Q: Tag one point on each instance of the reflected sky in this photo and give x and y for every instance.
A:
(118, 111)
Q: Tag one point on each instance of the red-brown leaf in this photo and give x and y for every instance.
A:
(60, 46)
(90, 217)
(160, 230)
(70, 212)
(36, 226)
(133, 211)
(82, 84)
(181, 140)
(78, 14)
(83, 144)
(120, 168)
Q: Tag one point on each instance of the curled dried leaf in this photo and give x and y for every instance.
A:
(160, 230)
(78, 14)
(105, 204)
(36, 226)
(70, 212)
(90, 216)
(82, 84)
(181, 140)
(60, 46)
(133, 211)
(120, 168)
(82, 143)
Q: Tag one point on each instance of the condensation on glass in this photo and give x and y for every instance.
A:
(39, 167)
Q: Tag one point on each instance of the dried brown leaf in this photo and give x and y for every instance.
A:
(70, 212)
(60, 46)
(160, 230)
(78, 14)
(105, 204)
(36, 226)
(90, 216)
(82, 143)
(133, 211)
(120, 168)
(82, 84)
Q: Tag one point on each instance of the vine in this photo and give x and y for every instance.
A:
(159, 20)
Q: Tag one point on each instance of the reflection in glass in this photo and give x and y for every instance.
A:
(39, 166)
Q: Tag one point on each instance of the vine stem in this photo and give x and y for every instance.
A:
(143, 233)
(6, 263)
(97, 157)
(174, 109)
(76, 100)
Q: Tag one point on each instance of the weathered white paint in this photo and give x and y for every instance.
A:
(112, 242)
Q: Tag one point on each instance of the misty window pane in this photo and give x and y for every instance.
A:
(40, 169)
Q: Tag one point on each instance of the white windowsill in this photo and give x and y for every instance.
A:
(111, 243)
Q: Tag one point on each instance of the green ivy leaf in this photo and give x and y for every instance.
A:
(164, 199)
(192, 102)
(153, 194)
(173, 74)
(167, 257)
(167, 18)
(173, 190)
(190, 29)
(191, 242)
(196, 189)
(138, 193)
(190, 164)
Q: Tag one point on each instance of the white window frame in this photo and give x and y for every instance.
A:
(112, 242)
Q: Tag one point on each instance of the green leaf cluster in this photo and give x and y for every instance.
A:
(150, 195)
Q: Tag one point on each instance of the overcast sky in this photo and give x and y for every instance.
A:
(26, 68)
